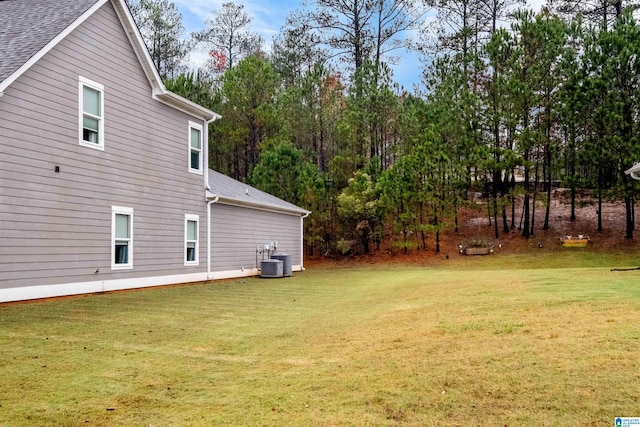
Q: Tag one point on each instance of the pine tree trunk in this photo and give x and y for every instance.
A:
(437, 241)
(548, 185)
(525, 207)
(535, 196)
(495, 217)
(628, 203)
(513, 200)
(629, 215)
(572, 218)
(600, 178)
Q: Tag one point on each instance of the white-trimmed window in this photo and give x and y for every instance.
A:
(91, 114)
(191, 241)
(121, 238)
(195, 148)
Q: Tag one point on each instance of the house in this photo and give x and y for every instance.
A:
(104, 181)
(242, 218)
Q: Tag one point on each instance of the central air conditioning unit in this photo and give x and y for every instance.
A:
(286, 263)
(271, 268)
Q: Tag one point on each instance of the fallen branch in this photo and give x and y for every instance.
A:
(625, 269)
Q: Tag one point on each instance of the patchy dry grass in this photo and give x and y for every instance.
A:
(470, 343)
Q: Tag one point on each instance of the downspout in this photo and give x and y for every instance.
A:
(209, 203)
(208, 190)
(302, 240)
(205, 142)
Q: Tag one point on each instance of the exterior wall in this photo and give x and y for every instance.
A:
(235, 232)
(55, 228)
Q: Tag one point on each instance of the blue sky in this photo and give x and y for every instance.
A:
(270, 15)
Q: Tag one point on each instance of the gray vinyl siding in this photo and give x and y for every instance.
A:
(56, 227)
(235, 231)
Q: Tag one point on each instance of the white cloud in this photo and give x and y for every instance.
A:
(267, 19)
(199, 9)
(198, 59)
(536, 5)
(268, 16)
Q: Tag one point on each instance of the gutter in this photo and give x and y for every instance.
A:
(262, 206)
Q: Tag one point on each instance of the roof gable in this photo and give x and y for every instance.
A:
(31, 28)
(28, 27)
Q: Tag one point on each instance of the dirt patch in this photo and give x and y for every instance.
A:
(474, 224)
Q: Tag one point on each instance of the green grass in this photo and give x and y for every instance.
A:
(492, 342)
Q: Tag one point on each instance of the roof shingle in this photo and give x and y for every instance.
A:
(232, 190)
(26, 26)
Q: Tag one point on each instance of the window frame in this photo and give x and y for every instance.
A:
(82, 83)
(120, 210)
(200, 151)
(187, 219)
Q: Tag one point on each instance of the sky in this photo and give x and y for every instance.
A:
(270, 15)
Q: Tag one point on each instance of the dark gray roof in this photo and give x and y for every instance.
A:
(230, 190)
(26, 26)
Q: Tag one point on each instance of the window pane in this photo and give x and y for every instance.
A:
(195, 160)
(89, 123)
(90, 130)
(192, 230)
(90, 136)
(191, 251)
(122, 253)
(91, 101)
(195, 138)
(122, 226)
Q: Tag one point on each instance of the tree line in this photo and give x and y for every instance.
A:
(513, 102)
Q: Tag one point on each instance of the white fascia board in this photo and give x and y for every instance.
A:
(233, 274)
(140, 49)
(259, 206)
(247, 272)
(64, 33)
(183, 104)
(158, 91)
(67, 289)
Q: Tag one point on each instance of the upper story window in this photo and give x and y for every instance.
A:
(195, 147)
(91, 114)
(121, 238)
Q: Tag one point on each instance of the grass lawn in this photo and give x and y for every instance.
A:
(473, 342)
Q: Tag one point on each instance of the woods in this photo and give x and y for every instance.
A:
(513, 103)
